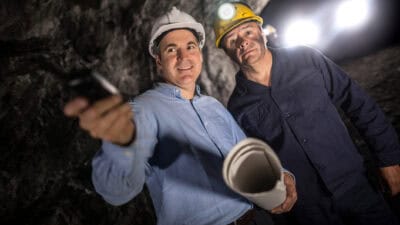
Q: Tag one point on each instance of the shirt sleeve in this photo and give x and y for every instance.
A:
(118, 173)
(362, 110)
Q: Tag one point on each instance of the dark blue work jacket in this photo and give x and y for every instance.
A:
(297, 115)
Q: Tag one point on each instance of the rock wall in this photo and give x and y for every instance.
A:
(45, 161)
(379, 75)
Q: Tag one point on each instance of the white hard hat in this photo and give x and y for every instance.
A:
(175, 19)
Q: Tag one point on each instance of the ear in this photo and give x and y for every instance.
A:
(263, 34)
(201, 56)
(158, 63)
(265, 38)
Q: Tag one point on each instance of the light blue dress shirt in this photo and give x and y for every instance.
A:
(178, 152)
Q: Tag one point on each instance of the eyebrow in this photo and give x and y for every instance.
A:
(169, 45)
(241, 28)
(175, 45)
(193, 42)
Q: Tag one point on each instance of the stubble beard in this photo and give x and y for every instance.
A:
(247, 67)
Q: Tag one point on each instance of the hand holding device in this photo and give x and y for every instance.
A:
(91, 85)
(104, 114)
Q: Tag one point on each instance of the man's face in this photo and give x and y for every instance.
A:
(180, 59)
(245, 44)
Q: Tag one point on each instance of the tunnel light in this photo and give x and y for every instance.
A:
(352, 13)
(269, 30)
(301, 32)
(226, 11)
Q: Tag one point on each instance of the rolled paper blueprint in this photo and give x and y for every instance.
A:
(253, 170)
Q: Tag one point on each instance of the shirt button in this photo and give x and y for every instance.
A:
(287, 115)
(304, 141)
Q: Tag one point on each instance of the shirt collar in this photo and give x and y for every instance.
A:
(245, 85)
(172, 90)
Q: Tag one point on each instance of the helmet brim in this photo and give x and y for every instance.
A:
(236, 24)
(197, 27)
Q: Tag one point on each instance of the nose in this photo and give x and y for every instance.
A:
(182, 54)
(242, 43)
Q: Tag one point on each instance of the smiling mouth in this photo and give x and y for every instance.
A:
(185, 68)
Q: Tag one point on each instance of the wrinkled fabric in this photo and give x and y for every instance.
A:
(178, 152)
(298, 117)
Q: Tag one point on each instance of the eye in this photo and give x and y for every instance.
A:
(170, 50)
(192, 46)
(230, 42)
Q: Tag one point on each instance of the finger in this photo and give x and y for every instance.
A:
(93, 133)
(394, 190)
(291, 198)
(285, 206)
(288, 204)
(90, 117)
(291, 193)
(277, 210)
(107, 104)
(98, 108)
(109, 119)
(75, 106)
(121, 132)
(88, 125)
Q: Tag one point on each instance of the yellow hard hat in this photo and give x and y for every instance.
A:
(231, 15)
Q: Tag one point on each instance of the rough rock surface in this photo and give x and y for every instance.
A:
(379, 75)
(45, 161)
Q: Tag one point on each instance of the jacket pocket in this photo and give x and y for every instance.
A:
(260, 123)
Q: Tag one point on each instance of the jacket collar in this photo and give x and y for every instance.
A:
(244, 85)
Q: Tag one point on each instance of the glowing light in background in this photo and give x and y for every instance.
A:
(269, 30)
(352, 13)
(301, 32)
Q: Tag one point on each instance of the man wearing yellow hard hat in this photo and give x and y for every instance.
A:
(289, 99)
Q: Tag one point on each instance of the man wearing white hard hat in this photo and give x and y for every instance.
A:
(289, 98)
(176, 142)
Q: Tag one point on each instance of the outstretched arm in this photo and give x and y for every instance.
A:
(118, 171)
(107, 119)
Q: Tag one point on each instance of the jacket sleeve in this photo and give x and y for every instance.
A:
(118, 173)
(362, 110)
